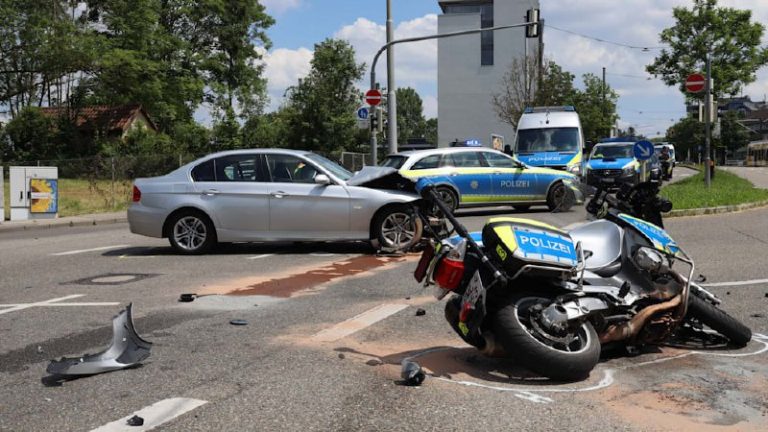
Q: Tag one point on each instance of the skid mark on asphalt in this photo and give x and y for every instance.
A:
(306, 279)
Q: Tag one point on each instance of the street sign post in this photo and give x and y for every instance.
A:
(695, 83)
(363, 116)
(373, 97)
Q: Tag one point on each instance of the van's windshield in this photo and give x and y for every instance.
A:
(548, 140)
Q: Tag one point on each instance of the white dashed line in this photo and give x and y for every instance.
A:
(79, 251)
(154, 415)
(259, 256)
(353, 325)
(736, 283)
(42, 303)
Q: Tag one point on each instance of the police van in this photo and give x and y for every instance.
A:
(550, 137)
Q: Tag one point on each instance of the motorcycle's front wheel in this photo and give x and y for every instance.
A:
(567, 356)
(719, 321)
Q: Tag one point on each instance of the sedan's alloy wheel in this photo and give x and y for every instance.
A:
(190, 233)
(398, 230)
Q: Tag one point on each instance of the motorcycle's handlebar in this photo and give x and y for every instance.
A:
(429, 194)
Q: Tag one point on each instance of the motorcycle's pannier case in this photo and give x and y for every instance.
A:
(516, 243)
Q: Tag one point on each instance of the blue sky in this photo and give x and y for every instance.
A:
(647, 104)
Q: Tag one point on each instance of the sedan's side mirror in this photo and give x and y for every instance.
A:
(322, 179)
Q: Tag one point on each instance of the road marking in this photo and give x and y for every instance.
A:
(61, 304)
(154, 415)
(736, 283)
(355, 324)
(259, 256)
(79, 251)
(42, 303)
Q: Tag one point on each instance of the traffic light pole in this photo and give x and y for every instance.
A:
(374, 143)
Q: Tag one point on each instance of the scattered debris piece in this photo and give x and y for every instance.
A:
(420, 312)
(758, 315)
(127, 349)
(239, 322)
(766, 295)
(409, 297)
(727, 293)
(342, 356)
(374, 362)
(135, 421)
(411, 373)
(39, 349)
(186, 298)
(701, 278)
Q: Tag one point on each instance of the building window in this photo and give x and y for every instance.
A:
(486, 21)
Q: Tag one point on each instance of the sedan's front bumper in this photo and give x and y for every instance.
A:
(611, 178)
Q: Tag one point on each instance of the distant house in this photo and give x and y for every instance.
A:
(108, 121)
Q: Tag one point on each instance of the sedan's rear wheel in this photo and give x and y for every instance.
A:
(396, 229)
(192, 233)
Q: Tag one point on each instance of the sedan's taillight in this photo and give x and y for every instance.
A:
(136, 194)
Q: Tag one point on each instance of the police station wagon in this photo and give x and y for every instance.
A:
(471, 176)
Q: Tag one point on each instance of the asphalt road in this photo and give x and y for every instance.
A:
(299, 364)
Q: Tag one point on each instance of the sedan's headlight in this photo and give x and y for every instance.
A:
(628, 171)
(574, 169)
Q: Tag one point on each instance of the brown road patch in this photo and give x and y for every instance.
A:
(303, 280)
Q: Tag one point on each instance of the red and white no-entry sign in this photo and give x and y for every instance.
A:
(695, 83)
(373, 97)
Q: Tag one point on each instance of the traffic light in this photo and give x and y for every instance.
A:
(532, 30)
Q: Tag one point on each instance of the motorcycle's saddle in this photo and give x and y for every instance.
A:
(601, 241)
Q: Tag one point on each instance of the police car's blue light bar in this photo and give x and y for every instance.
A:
(565, 108)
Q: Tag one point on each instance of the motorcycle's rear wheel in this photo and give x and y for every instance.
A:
(571, 359)
(719, 321)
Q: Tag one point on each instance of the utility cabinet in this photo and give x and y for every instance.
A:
(34, 192)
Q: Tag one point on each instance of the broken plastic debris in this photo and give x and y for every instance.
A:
(127, 349)
(420, 312)
(186, 298)
(135, 421)
(411, 373)
(239, 322)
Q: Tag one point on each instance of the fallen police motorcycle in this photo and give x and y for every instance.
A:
(550, 298)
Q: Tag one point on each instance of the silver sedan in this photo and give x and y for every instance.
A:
(273, 195)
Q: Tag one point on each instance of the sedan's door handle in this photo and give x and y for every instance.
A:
(279, 194)
(211, 192)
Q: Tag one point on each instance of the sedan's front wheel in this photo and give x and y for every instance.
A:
(396, 229)
(191, 233)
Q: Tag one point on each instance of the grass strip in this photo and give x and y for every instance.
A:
(726, 189)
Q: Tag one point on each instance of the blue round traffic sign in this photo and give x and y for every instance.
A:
(643, 150)
(362, 113)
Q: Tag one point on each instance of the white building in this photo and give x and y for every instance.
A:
(471, 67)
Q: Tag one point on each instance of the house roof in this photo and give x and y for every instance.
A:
(103, 116)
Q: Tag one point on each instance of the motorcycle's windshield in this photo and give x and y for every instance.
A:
(656, 235)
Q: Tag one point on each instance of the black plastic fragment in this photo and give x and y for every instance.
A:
(186, 298)
(420, 312)
(239, 322)
(135, 421)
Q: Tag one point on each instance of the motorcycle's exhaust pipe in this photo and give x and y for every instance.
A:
(631, 328)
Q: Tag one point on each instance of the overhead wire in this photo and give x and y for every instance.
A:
(642, 48)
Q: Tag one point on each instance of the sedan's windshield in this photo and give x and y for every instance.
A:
(334, 168)
(548, 140)
(613, 151)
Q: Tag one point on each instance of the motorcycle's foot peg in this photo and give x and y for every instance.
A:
(624, 290)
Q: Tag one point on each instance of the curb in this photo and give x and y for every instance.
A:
(74, 221)
(716, 210)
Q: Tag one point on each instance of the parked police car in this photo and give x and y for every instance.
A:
(476, 176)
(613, 162)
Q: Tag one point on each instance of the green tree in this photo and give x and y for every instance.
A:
(553, 87)
(729, 34)
(29, 137)
(430, 131)
(410, 114)
(733, 134)
(687, 135)
(596, 105)
(320, 107)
